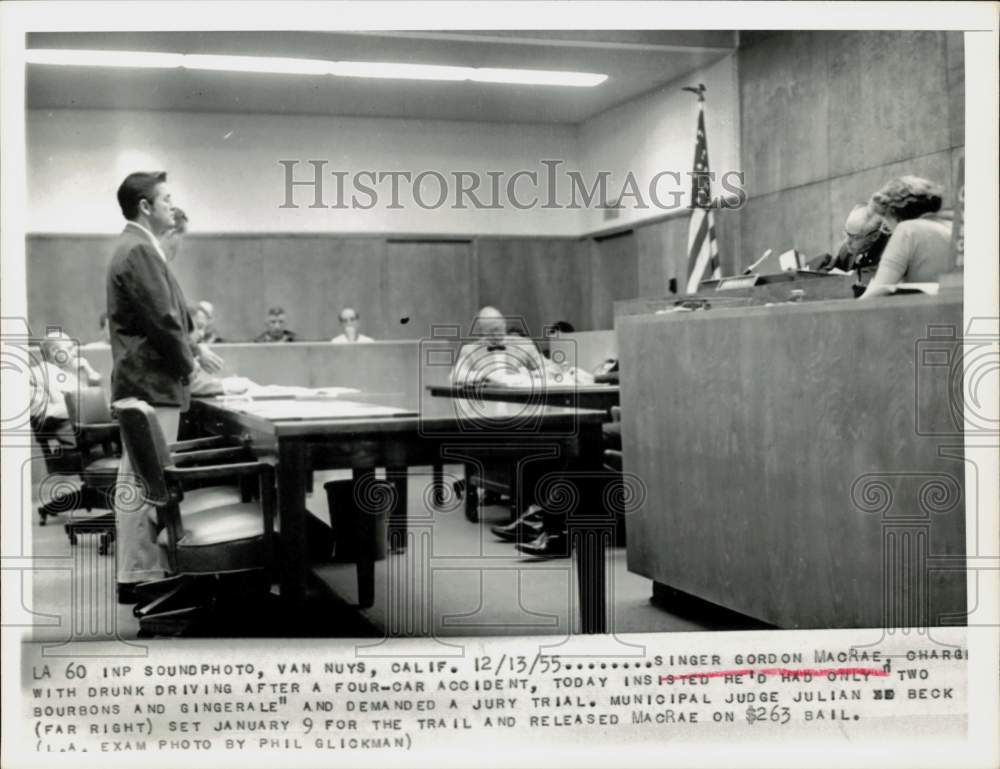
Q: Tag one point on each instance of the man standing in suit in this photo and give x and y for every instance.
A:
(152, 356)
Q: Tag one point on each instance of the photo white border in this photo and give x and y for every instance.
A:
(981, 291)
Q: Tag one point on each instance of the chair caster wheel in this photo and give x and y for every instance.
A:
(41, 521)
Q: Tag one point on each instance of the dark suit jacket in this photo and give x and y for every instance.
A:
(149, 324)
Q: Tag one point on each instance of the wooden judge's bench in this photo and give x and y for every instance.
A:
(802, 456)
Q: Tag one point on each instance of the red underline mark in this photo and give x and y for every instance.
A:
(779, 672)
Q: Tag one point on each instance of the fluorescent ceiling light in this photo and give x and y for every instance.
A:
(537, 77)
(140, 59)
(386, 70)
(266, 65)
(283, 66)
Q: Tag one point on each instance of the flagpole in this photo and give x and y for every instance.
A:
(703, 256)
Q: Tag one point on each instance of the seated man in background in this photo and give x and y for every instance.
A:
(919, 248)
(350, 322)
(210, 335)
(62, 370)
(496, 356)
(500, 356)
(276, 331)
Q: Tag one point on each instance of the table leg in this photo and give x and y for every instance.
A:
(471, 496)
(438, 481)
(397, 515)
(591, 528)
(363, 536)
(294, 562)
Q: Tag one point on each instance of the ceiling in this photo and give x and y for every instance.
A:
(635, 61)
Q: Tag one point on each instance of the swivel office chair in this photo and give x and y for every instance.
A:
(99, 447)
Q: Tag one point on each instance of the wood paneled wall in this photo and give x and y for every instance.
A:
(828, 117)
(401, 287)
(541, 280)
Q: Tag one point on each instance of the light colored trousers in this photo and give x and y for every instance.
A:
(138, 556)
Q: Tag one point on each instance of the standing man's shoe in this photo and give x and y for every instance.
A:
(127, 593)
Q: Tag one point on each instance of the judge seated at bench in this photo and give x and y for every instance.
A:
(865, 238)
(919, 247)
(496, 356)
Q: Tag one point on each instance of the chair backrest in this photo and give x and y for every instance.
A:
(89, 405)
(146, 446)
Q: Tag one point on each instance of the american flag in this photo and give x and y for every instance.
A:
(703, 250)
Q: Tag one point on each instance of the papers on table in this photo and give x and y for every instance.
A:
(526, 380)
(272, 392)
(277, 410)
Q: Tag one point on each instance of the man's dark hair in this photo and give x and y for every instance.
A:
(276, 311)
(138, 186)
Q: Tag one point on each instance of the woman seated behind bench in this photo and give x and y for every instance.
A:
(919, 249)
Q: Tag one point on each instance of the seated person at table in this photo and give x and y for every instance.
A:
(865, 238)
(171, 240)
(350, 322)
(276, 331)
(919, 248)
(210, 335)
(201, 382)
(62, 370)
(496, 356)
(105, 341)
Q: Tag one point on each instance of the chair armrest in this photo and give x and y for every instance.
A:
(211, 455)
(98, 425)
(197, 443)
(98, 432)
(91, 435)
(205, 472)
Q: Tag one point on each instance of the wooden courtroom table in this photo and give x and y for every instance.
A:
(593, 396)
(304, 436)
(803, 462)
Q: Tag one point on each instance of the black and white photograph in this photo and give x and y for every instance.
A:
(571, 332)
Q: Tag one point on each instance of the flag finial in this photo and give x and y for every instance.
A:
(700, 90)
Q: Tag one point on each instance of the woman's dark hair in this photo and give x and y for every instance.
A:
(907, 198)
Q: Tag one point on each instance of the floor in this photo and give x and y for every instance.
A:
(454, 579)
